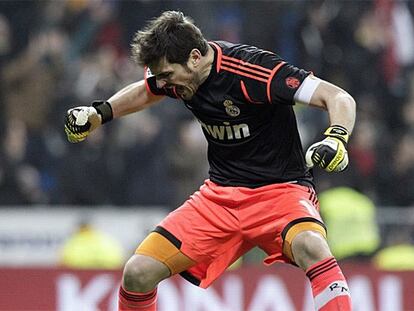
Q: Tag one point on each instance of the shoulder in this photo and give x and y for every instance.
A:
(245, 54)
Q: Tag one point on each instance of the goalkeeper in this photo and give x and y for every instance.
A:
(260, 190)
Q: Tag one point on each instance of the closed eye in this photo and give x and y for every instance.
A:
(164, 75)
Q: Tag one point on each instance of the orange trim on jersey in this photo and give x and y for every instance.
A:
(146, 82)
(244, 74)
(243, 68)
(219, 55)
(269, 81)
(228, 58)
(246, 95)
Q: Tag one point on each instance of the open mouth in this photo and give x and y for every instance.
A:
(179, 89)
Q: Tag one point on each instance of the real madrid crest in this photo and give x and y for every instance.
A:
(231, 109)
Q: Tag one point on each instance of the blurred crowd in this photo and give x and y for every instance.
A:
(58, 54)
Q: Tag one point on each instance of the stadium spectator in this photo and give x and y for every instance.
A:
(403, 171)
(350, 219)
(90, 248)
(397, 254)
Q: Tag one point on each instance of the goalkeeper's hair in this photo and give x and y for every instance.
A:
(171, 35)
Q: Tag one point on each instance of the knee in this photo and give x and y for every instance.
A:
(142, 274)
(309, 247)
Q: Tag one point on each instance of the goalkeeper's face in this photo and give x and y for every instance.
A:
(186, 79)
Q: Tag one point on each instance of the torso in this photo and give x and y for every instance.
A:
(245, 111)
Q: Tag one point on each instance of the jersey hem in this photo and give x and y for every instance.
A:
(307, 182)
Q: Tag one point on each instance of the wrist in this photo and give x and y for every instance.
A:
(339, 132)
(104, 110)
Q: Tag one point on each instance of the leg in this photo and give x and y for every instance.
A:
(155, 260)
(143, 273)
(308, 248)
(190, 239)
(330, 290)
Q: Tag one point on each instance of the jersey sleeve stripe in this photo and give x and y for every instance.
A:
(269, 81)
(219, 55)
(247, 64)
(248, 70)
(246, 95)
(241, 73)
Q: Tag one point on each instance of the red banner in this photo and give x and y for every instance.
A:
(280, 287)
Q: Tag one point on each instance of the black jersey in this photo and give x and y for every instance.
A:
(245, 108)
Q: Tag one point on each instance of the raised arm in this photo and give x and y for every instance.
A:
(81, 121)
(132, 98)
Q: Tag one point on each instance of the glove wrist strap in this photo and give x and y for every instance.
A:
(339, 132)
(104, 109)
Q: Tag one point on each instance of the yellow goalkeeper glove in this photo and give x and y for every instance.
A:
(81, 121)
(330, 153)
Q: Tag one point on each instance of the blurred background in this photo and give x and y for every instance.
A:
(125, 177)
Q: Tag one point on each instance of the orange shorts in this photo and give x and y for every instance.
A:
(217, 225)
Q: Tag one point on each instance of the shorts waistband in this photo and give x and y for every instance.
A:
(302, 182)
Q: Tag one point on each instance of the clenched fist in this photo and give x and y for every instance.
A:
(330, 153)
(80, 121)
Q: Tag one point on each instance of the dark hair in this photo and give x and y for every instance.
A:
(171, 35)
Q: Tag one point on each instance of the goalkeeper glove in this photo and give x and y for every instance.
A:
(330, 153)
(80, 121)
(77, 125)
